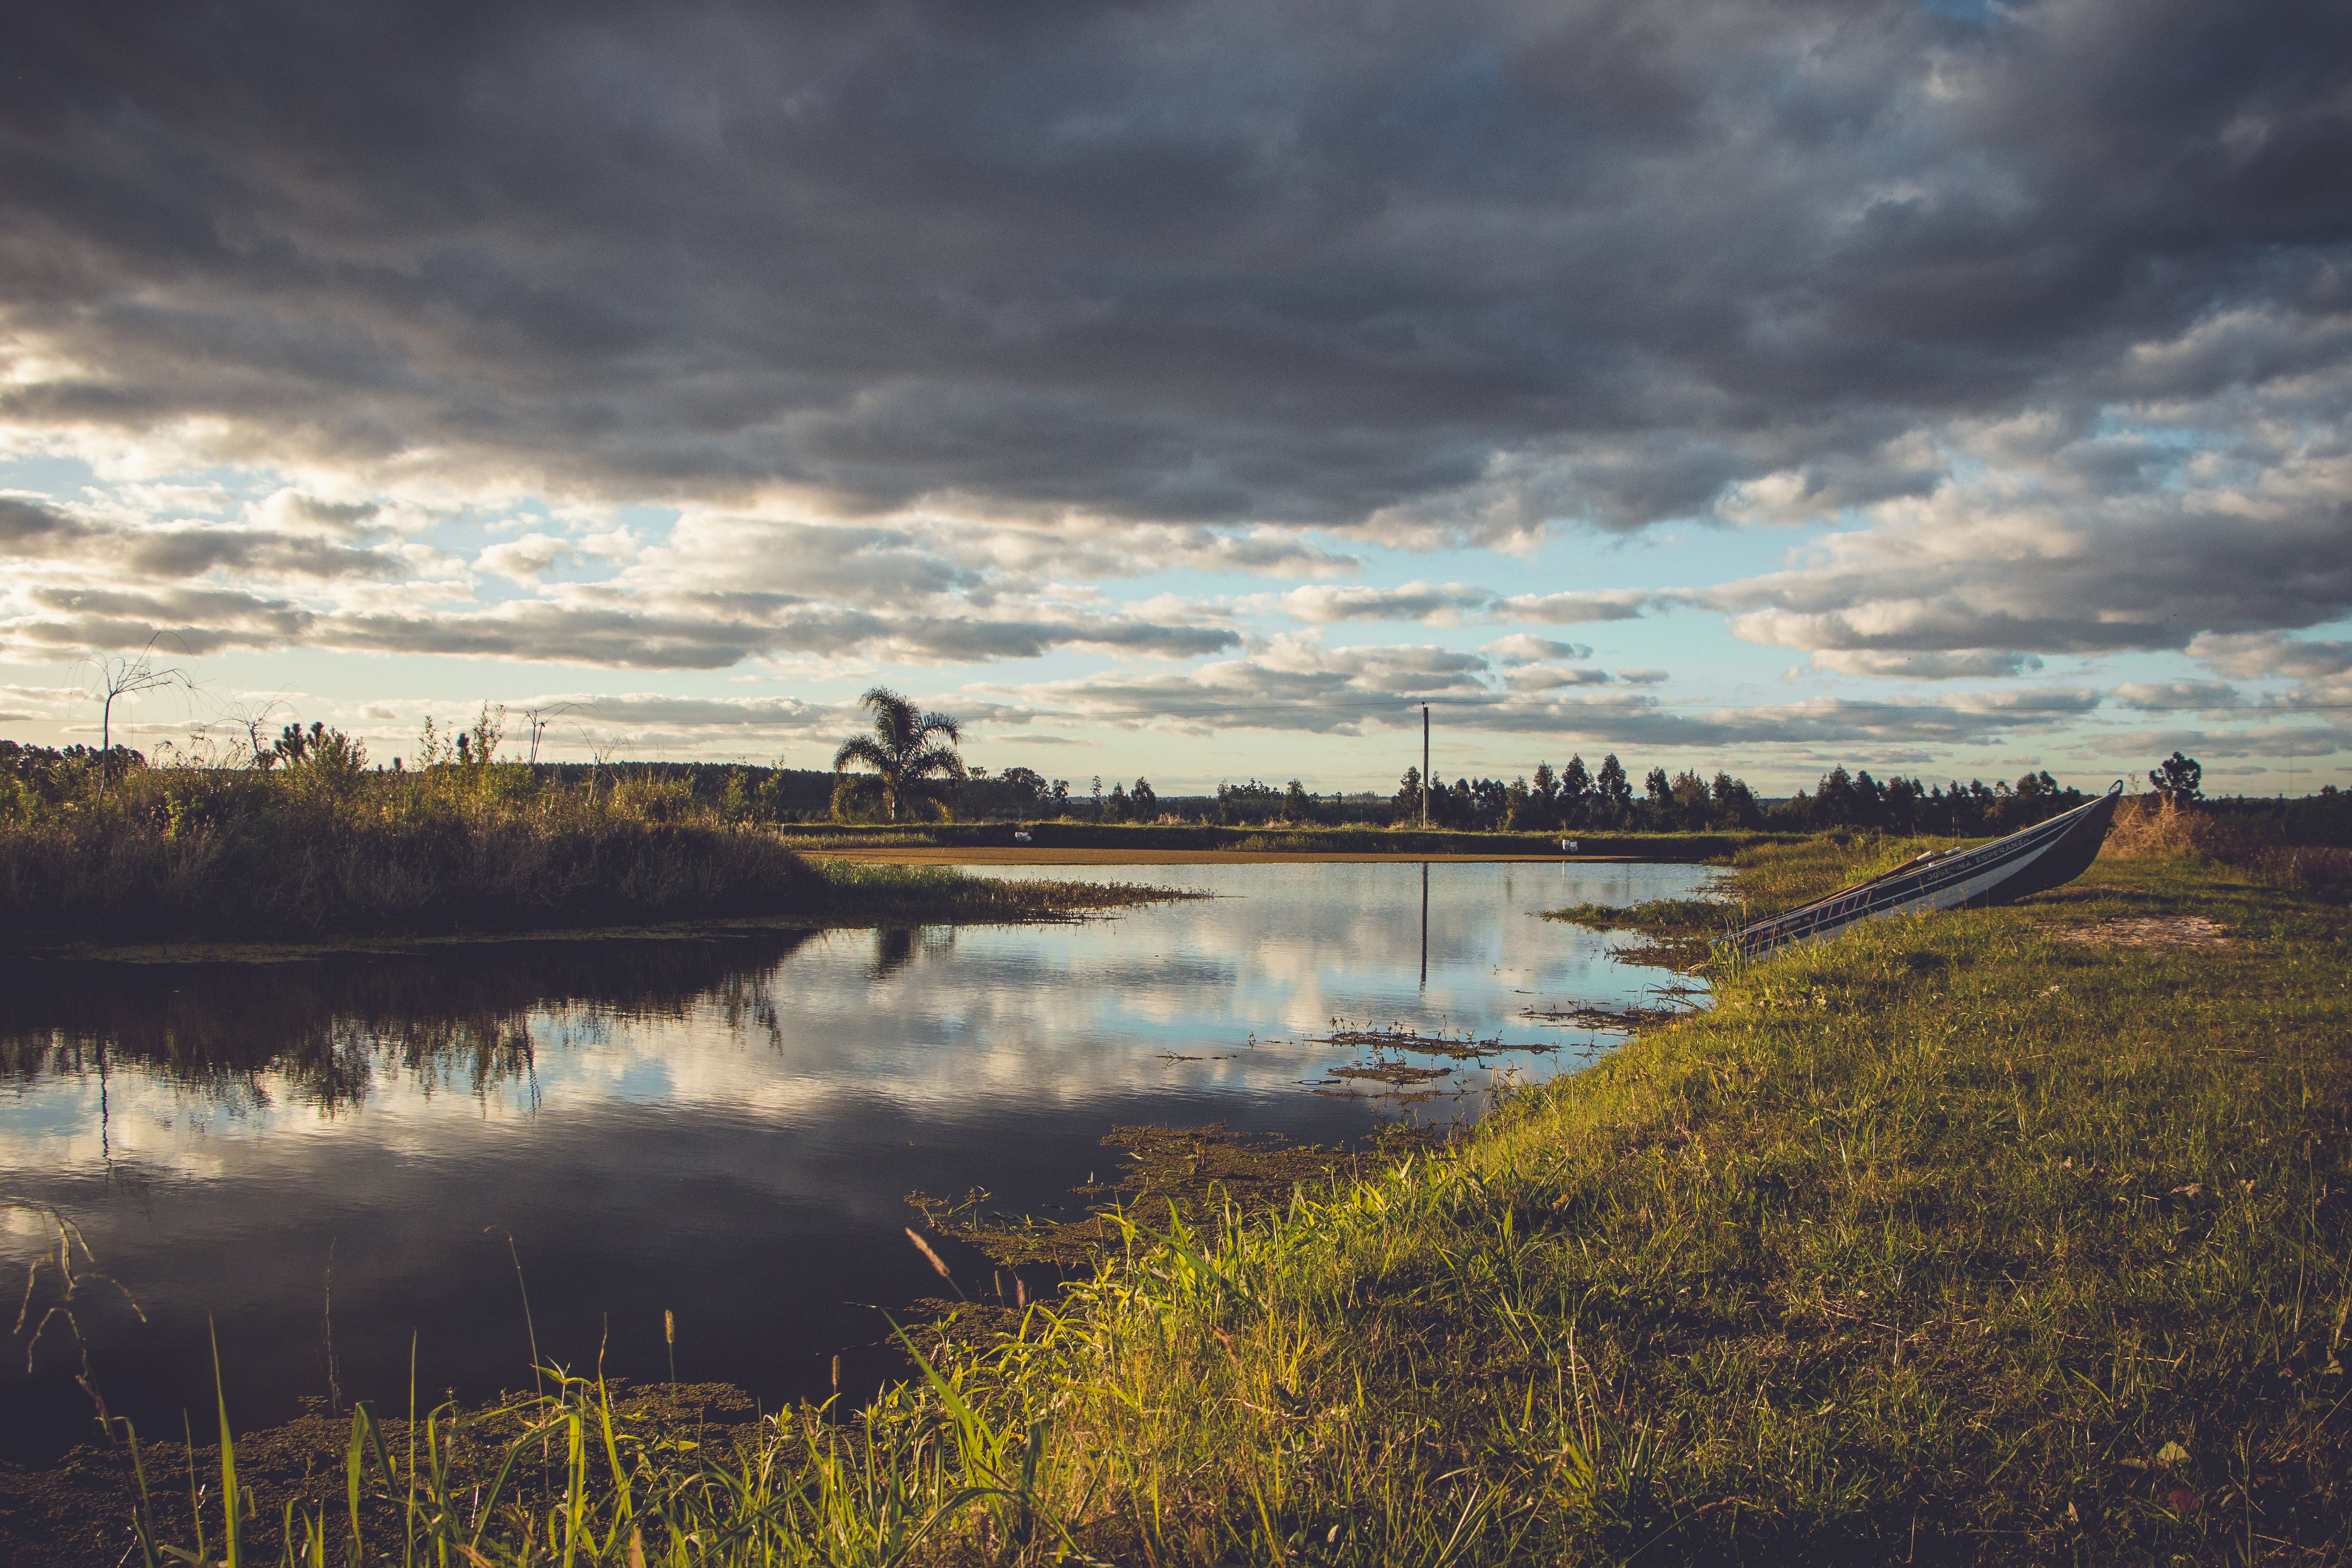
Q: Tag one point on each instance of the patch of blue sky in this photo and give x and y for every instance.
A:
(647, 1080)
(646, 522)
(46, 474)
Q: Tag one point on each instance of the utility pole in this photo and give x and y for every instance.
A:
(1425, 764)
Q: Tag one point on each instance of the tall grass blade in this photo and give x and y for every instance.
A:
(233, 1534)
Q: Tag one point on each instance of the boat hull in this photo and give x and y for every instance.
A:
(2044, 856)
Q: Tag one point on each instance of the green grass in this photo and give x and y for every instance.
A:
(1928, 1241)
(1947, 1241)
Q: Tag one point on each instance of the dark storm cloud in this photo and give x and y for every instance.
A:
(2176, 696)
(589, 624)
(2253, 656)
(1460, 269)
(711, 632)
(1970, 576)
(192, 552)
(30, 531)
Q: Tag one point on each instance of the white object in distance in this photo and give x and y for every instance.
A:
(1020, 838)
(1568, 846)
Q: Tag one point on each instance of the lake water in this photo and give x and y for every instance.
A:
(722, 1128)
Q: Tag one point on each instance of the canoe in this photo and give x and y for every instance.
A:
(2046, 855)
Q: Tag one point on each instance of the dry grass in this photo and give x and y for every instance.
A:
(2154, 828)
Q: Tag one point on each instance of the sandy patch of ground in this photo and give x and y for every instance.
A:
(1039, 855)
(2153, 931)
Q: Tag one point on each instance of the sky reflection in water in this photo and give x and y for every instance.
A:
(723, 1128)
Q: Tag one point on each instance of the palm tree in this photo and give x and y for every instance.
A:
(906, 750)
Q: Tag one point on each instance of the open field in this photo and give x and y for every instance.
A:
(2007, 1235)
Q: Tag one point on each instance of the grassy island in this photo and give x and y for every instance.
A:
(2010, 1236)
(317, 851)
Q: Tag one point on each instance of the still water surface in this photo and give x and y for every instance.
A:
(723, 1128)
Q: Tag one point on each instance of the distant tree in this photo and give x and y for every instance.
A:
(1658, 798)
(1575, 793)
(128, 676)
(1869, 800)
(1731, 803)
(1979, 808)
(1408, 796)
(1116, 802)
(1455, 807)
(1296, 804)
(1490, 804)
(1905, 799)
(1613, 795)
(1834, 799)
(1015, 791)
(1145, 802)
(1689, 797)
(1251, 802)
(912, 754)
(2177, 779)
(1540, 810)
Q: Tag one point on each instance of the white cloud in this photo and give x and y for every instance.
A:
(1429, 603)
(1575, 605)
(2168, 696)
(1926, 664)
(1522, 648)
(1553, 677)
(528, 559)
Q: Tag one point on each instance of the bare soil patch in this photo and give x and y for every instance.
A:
(2152, 931)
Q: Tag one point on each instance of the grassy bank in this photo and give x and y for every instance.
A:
(193, 854)
(1963, 1239)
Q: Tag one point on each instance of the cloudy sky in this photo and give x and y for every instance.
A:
(1191, 389)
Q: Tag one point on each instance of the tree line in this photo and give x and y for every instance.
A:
(1603, 800)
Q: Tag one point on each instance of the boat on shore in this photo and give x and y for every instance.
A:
(2047, 854)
